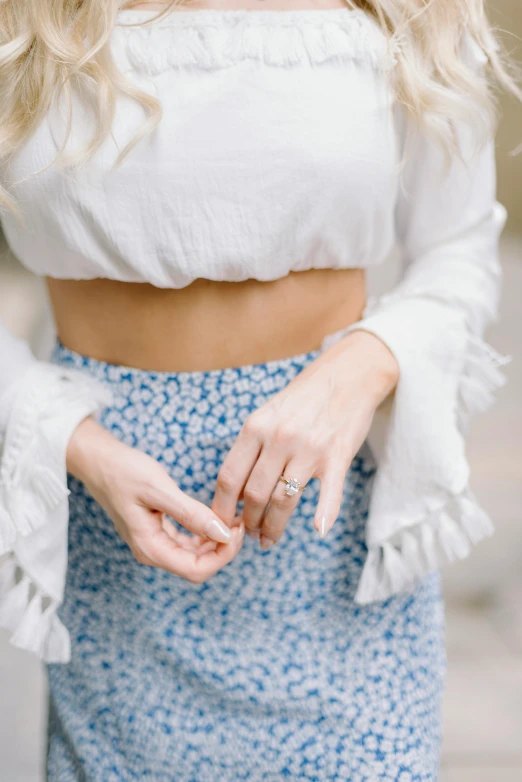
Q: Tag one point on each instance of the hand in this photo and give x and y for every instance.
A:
(137, 492)
(312, 428)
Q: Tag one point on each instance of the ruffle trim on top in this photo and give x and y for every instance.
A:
(445, 536)
(31, 492)
(30, 614)
(33, 507)
(481, 380)
(31, 482)
(212, 39)
(448, 532)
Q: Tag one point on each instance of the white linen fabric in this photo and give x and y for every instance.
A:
(278, 150)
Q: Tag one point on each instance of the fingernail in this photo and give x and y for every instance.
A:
(254, 533)
(265, 542)
(216, 530)
(322, 527)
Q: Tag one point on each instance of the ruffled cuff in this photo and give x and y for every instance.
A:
(422, 511)
(43, 411)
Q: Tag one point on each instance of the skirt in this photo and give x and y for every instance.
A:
(268, 671)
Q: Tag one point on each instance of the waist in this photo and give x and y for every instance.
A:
(206, 325)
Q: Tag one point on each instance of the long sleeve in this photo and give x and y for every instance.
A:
(422, 511)
(40, 406)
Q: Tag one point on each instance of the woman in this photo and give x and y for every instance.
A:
(203, 187)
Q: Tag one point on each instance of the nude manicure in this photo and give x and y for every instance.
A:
(265, 543)
(216, 530)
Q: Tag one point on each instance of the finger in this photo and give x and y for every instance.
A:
(260, 487)
(191, 514)
(159, 550)
(330, 498)
(234, 473)
(283, 504)
(188, 542)
(194, 542)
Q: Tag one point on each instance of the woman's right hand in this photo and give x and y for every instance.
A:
(137, 492)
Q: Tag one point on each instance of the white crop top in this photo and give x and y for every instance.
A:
(278, 150)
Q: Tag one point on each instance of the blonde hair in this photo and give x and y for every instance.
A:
(47, 46)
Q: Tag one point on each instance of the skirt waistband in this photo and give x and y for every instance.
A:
(263, 378)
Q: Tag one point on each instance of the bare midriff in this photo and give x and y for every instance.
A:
(205, 325)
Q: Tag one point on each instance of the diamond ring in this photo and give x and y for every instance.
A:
(293, 486)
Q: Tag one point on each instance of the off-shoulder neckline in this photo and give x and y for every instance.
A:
(272, 16)
(218, 38)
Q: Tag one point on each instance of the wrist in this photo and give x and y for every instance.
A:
(83, 448)
(381, 368)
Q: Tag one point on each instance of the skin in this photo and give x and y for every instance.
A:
(312, 428)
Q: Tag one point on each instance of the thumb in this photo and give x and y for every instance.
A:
(191, 514)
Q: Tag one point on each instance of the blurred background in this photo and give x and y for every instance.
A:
(483, 705)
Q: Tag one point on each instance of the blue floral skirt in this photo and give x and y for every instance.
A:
(269, 671)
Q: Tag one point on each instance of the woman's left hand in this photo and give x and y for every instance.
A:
(313, 428)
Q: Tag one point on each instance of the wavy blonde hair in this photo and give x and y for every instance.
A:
(48, 46)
